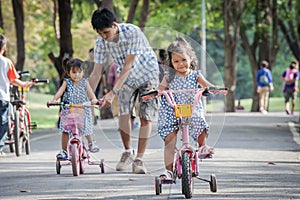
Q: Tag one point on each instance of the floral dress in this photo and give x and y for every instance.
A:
(76, 94)
(167, 122)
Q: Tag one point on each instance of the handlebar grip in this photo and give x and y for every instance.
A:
(150, 95)
(35, 80)
(100, 102)
(54, 104)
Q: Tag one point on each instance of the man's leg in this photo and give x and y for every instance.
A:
(3, 124)
(125, 132)
(145, 130)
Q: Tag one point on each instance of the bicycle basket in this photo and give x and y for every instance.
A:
(183, 110)
(69, 119)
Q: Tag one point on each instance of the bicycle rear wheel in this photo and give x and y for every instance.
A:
(75, 159)
(187, 178)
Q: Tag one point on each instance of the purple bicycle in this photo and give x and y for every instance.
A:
(186, 165)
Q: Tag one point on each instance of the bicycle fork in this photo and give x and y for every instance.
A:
(193, 154)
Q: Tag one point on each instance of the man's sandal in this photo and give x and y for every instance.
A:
(167, 175)
(205, 152)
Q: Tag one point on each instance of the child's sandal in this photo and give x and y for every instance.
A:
(206, 151)
(167, 175)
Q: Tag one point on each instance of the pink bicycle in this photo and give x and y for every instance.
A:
(72, 118)
(186, 165)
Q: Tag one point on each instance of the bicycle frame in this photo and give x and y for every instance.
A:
(20, 124)
(186, 165)
(77, 150)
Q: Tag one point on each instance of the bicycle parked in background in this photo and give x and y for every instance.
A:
(20, 124)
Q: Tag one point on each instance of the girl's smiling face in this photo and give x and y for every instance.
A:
(181, 63)
(76, 74)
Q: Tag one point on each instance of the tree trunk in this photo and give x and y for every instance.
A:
(144, 14)
(65, 37)
(131, 13)
(1, 17)
(232, 11)
(265, 17)
(108, 4)
(19, 23)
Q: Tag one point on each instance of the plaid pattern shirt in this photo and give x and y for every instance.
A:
(131, 41)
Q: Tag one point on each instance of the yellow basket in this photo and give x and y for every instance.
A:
(25, 89)
(183, 110)
(76, 108)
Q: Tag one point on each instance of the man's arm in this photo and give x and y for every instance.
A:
(125, 71)
(95, 76)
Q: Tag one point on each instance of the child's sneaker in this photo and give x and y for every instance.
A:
(63, 154)
(93, 147)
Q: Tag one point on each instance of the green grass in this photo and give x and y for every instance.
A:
(47, 117)
(43, 116)
(276, 104)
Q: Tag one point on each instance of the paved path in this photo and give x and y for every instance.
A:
(257, 157)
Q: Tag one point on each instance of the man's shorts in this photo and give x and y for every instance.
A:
(128, 96)
(290, 93)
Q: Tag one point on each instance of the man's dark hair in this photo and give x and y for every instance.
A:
(3, 41)
(102, 19)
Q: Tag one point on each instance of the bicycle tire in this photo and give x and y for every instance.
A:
(187, 178)
(58, 167)
(75, 159)
(10, 132)
(82, 164)
(26, 135)
(17, 134)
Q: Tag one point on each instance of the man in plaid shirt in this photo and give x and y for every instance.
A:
(138, 73)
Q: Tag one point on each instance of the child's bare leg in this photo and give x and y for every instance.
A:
(64, 140)
(89, 138)
(202, 141)
(170, 144)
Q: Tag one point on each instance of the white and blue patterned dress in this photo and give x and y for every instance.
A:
(167, 122)
(76, 94)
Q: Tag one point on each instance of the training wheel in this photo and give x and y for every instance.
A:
(213, 183)
(102, 166)
(58, 166)
(157, 185)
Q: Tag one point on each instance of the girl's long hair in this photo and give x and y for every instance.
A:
(182, 47)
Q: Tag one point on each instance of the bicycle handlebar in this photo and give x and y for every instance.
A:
(36, 80)
(24, 73)
(86, 104)
(203, 91)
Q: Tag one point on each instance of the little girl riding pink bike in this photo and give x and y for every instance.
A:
(181, 109)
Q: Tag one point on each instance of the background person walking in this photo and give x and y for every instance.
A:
(290, 88)
(264, 86)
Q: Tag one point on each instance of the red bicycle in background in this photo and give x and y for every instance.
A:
(20, 124)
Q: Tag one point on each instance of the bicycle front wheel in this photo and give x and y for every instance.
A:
(187, 178)
(75, 159)
(26, 135)
(17, 134)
